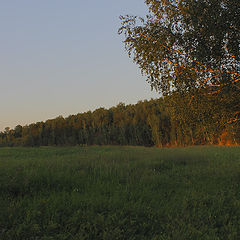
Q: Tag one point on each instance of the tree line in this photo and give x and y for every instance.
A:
(157, 122)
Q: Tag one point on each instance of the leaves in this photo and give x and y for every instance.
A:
(192, 48)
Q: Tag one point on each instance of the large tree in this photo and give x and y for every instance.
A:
(191, 47)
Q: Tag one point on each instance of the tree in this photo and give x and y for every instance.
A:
(192, 48)
(185, 44)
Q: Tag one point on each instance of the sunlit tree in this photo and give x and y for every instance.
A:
(191, 48)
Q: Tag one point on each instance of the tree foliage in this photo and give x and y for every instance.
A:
(186, 44)
(190, 50)
(146, 123)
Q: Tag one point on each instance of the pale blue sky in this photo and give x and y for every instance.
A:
(62, 57)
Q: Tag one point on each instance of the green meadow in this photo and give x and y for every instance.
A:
(112, 193)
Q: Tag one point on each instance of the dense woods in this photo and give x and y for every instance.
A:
(148, 123)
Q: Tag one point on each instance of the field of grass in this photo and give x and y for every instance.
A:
(115, 193)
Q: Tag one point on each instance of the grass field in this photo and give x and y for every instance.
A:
(120, 193)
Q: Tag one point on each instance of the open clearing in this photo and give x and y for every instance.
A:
(120, 193)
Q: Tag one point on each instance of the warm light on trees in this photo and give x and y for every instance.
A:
(183, 45)
(190, 48)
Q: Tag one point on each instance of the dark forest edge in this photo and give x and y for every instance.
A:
(157, 122)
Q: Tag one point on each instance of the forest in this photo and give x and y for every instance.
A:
(157, 122)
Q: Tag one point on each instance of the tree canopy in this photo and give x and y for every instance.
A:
(146, 123)
(186, 44)
(190, 49)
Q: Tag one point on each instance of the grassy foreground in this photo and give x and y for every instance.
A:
(120, 193)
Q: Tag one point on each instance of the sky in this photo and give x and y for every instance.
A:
(63, 57)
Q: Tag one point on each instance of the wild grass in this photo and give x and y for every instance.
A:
(120, 193)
